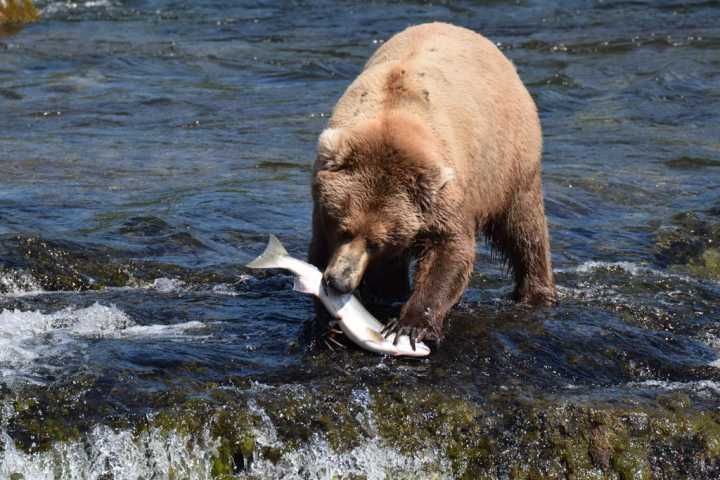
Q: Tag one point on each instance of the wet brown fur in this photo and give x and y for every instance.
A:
(436, 140)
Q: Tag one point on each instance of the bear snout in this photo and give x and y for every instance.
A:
(347, 267)
(340, 284)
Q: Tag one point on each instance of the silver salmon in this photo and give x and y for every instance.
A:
(354, 320)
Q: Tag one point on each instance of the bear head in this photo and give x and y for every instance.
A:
(375, 185)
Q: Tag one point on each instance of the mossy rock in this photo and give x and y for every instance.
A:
(707, 265)
(70, 268)
(42, 417)
(547, 439)
(510, 434)
(300, 415)
(692, 243)
(235, 430)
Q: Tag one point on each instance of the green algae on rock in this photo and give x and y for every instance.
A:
(250, 432)
(556, 439)
(35, 263)
(57, 267)
(707, 265)
(692, 243)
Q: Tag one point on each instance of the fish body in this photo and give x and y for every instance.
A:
(354, 320)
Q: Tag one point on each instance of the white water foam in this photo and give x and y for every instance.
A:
(55, 7)
(707, 387)
(120, 455)
(372, 459)
(224, 289)
(174, 331)
(714, 342)
(123, 455)
(175, 285)
(18, 284)
(613, 293)
(593, 265)
(29, 339)
(630, 268)
(168, 285)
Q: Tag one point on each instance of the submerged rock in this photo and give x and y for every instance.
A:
(31, 263)
(67, 267)
(692, 163)
(692, 242)
(707, 265)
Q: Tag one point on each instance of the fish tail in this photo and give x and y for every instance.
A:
(272, 257)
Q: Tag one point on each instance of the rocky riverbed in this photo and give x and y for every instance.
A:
(147, 148)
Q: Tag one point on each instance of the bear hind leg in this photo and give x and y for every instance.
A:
(520, 234)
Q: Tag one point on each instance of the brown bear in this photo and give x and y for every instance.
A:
(436, 141)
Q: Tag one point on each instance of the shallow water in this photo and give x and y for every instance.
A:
(148, 147)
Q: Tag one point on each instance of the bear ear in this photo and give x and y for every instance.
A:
(445, 176)
(331, 149)
(431, 182)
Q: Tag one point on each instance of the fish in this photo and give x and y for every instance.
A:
(359, 325)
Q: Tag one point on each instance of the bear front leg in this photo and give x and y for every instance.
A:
(441, 275)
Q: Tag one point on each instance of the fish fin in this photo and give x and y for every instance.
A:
(304, 287)
(271, 257)
(376, 336)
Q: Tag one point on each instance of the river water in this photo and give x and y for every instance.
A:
(147, 148)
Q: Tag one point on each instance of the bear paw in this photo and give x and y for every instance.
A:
(417, 326)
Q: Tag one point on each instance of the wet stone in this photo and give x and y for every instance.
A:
(692, 163)
(35, 263)
(691, 242)
(509, 434)
(63, 266)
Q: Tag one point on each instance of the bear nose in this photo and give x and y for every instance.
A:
(337, 284)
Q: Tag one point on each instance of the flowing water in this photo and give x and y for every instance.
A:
(147, 148)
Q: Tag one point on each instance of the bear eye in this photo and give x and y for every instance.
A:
(344, 235)
(331, 167)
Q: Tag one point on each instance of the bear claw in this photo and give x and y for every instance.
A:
(415, 334)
